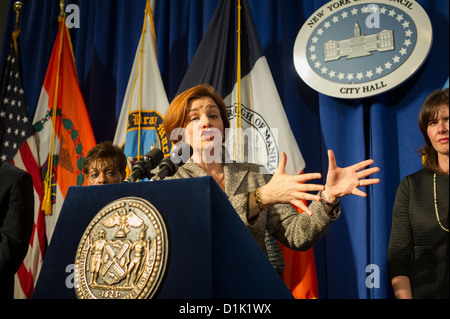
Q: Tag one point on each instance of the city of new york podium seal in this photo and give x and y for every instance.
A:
(123, 252)
(360, 48)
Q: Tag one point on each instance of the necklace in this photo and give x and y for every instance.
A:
(435, 205)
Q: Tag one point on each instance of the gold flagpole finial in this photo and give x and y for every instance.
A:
(61, 8)
(17, 7)
(15, 35)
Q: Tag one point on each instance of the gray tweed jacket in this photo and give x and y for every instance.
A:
(283, 222)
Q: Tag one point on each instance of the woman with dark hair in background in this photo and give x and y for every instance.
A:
(105, 163)
(418, 249)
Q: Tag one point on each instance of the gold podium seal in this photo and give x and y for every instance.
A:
(123, 252)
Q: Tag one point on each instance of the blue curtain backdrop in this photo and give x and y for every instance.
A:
(383, 127)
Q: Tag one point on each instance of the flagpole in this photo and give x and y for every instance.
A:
(61, 8)
(152, 22)
(147, 8)
(139, 67)
(17, 7)
(238, 99)
(47, 200)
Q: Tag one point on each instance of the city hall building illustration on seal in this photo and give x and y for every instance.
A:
(359, 45)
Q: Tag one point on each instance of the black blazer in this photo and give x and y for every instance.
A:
(16, 223)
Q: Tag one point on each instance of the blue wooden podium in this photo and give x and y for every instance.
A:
(211, 253)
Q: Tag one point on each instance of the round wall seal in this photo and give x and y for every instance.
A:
(354, 49)
(123, 252)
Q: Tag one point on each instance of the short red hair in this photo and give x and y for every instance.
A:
(177, 115)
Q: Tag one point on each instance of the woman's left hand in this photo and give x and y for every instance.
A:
(345, 181)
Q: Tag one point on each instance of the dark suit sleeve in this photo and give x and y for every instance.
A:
(17, 214)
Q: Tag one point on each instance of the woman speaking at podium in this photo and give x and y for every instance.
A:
(198, 116)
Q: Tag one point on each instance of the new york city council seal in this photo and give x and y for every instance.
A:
(123, 252)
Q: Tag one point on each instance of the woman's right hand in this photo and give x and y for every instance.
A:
(290, 189)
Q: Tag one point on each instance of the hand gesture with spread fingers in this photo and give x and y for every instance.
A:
(285, 188)
(345, 181)
(292, 189)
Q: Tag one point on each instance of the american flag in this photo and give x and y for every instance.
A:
(18, 146)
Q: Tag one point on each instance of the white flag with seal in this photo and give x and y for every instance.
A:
(140, 123)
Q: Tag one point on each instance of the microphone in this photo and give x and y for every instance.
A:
(169, 166)
(142, 169)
